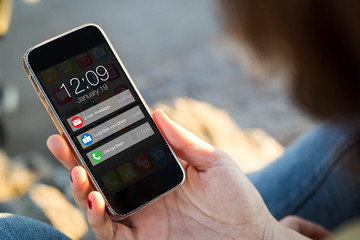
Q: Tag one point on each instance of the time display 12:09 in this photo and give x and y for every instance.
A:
(92, 77)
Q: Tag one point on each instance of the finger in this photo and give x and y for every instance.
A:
(100, 223)
(58, 146)
(80, 186)
(306, 228)
(186, 145)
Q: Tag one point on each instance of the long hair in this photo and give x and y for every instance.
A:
(319, 39)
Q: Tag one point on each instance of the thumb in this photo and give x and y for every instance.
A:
(306, 228)
(186, 145)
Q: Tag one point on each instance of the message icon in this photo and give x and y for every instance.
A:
(61, 96)
(86, 139)
(76, 122)
(158, 155)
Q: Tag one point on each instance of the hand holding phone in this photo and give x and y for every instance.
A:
(97, 108)
(217, 201)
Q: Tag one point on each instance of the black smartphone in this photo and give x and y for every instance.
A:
(95, 105)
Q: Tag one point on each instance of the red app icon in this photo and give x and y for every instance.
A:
(143, 163)
(83, 60)
(77, 122)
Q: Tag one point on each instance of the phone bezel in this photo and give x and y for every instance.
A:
(62, 129)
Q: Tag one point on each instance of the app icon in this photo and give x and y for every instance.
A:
(76, 122)
(111, 181)
(96, 156)
(50, 75)
(143, 163)
(67, 67)
(86, 139)
(99, 53)
(158, 155)
(127, 172)
(61, 96)
(113, 72)
(83, 60)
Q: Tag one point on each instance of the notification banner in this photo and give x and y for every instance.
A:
(100, 110)
(120, 143)
(110, 127)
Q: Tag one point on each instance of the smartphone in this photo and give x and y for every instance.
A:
(97, 108)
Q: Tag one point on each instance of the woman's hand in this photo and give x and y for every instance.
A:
(217, 201)
(307, 228)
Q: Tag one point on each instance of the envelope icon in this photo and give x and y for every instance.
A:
(77, 122)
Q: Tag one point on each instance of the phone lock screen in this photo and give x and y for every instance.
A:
(90, 94)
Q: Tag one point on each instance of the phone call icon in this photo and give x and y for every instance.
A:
(96, 156)
(111, 181)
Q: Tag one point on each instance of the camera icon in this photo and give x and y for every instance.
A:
(99, 53)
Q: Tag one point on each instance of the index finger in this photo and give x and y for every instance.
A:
(58, 146)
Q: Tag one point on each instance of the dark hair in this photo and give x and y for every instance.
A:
(319, 39)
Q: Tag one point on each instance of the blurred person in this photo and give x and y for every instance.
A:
(317, 178)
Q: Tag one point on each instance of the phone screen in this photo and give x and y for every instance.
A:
(105, 118)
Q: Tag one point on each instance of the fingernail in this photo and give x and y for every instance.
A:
(168, 114)
(70, 174)
(89, 203)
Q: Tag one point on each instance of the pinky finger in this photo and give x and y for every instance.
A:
(98, 220)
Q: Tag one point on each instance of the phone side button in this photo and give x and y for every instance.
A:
(48, 109)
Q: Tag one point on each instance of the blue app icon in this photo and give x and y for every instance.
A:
(86, 139)
(99, 52)
(158, 155)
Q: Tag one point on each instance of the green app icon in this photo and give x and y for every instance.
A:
(96, 156)
(111, 181)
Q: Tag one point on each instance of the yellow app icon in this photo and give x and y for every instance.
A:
(67, 67)
(50, 75)
(127, 172)
(111, 181)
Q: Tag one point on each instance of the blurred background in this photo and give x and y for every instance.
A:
(180, 58)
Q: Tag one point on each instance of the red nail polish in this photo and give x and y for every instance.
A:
(167, 114)
(70, 174)
(89, 203)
